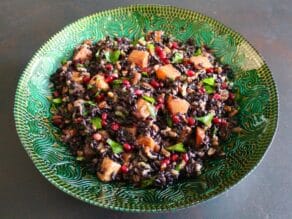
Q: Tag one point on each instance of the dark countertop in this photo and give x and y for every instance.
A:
(26, 24)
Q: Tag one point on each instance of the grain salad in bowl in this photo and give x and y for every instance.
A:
(146, 111)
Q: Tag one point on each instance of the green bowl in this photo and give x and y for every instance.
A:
(253, 82)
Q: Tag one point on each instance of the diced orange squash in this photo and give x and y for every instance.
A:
(201, 62)
(146, 141)
(98, 81)
(140, 58)
(77, 77)
(82, 54)
(177, 105)
(142, 109)
(109, 169)
(132, 130)
(167, 71)
(200, 135)
(158, 36)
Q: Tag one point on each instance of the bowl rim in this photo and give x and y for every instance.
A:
(57, 183)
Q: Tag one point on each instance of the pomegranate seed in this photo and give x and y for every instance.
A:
(126, 83)
(124, 169)
(109, 67)
(160, 99)
(154, 83)
(159, 106)
(191, 121)
(110, 78)
(99, 97)
(166, 161)
(86, 79)
(224, 85)
(216, 120)
(202, 90)
(115, 126)
(174, 157)
(185, 157)
(174, 45)
(56, 94)
(217, 96)
(190, 73)
(138, 92)
(97, 136)
(158, 50)
(165, 60)
(103, 123)
(104, 116)
(146, 69)
(176, 119)
(210, 70)
(223, 122)
(127, 147)
(231, 96)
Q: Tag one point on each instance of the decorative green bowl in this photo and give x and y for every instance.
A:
(253, 82)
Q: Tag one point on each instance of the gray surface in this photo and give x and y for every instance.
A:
(26, 25)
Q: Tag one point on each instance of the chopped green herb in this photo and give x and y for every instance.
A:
(178, 57)
(150, 47)
(180, 165)
(115, 146)
(57, 100)
(91, 103)
(64, 61)
(145, 74)
(179, 147)
(198, 52)
(97, 93)
(169, 121)
(112, 56)
(80, 158)
(117, 82)
(207, 120)
(80, 65)
(209, 89)
(147, 182)
(96, 122)
(89, 86)
(149, 99)
(120, 114)
(97, 54)
(209, 81)
(151, 110)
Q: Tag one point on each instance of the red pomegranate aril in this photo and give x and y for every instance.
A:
(191, 121)
(160, 99)
(109, 79)
(159, 106)
(174, 157)
(104, 116)
(216, 120)
(146, 69)
(210, 70)
(126, 83)
(185, 157)
(174, 45)
(109, 67)
(158, 50)
(176, 119)
(99, 97)
(124, 169)
(97, 136)
(190, 73)
(103, 123)
(231, 96)
(202, 90)
(224, 85)
(86, 79)
(165, 162)
(154, 83)
(138, 92)
(223, 122)
(115, 126)
(56, 94)
(217, 96)
(165, 60)
(127, 147)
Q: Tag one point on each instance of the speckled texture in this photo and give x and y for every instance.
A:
(261, 195)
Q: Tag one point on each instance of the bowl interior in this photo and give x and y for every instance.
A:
(253, 82)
